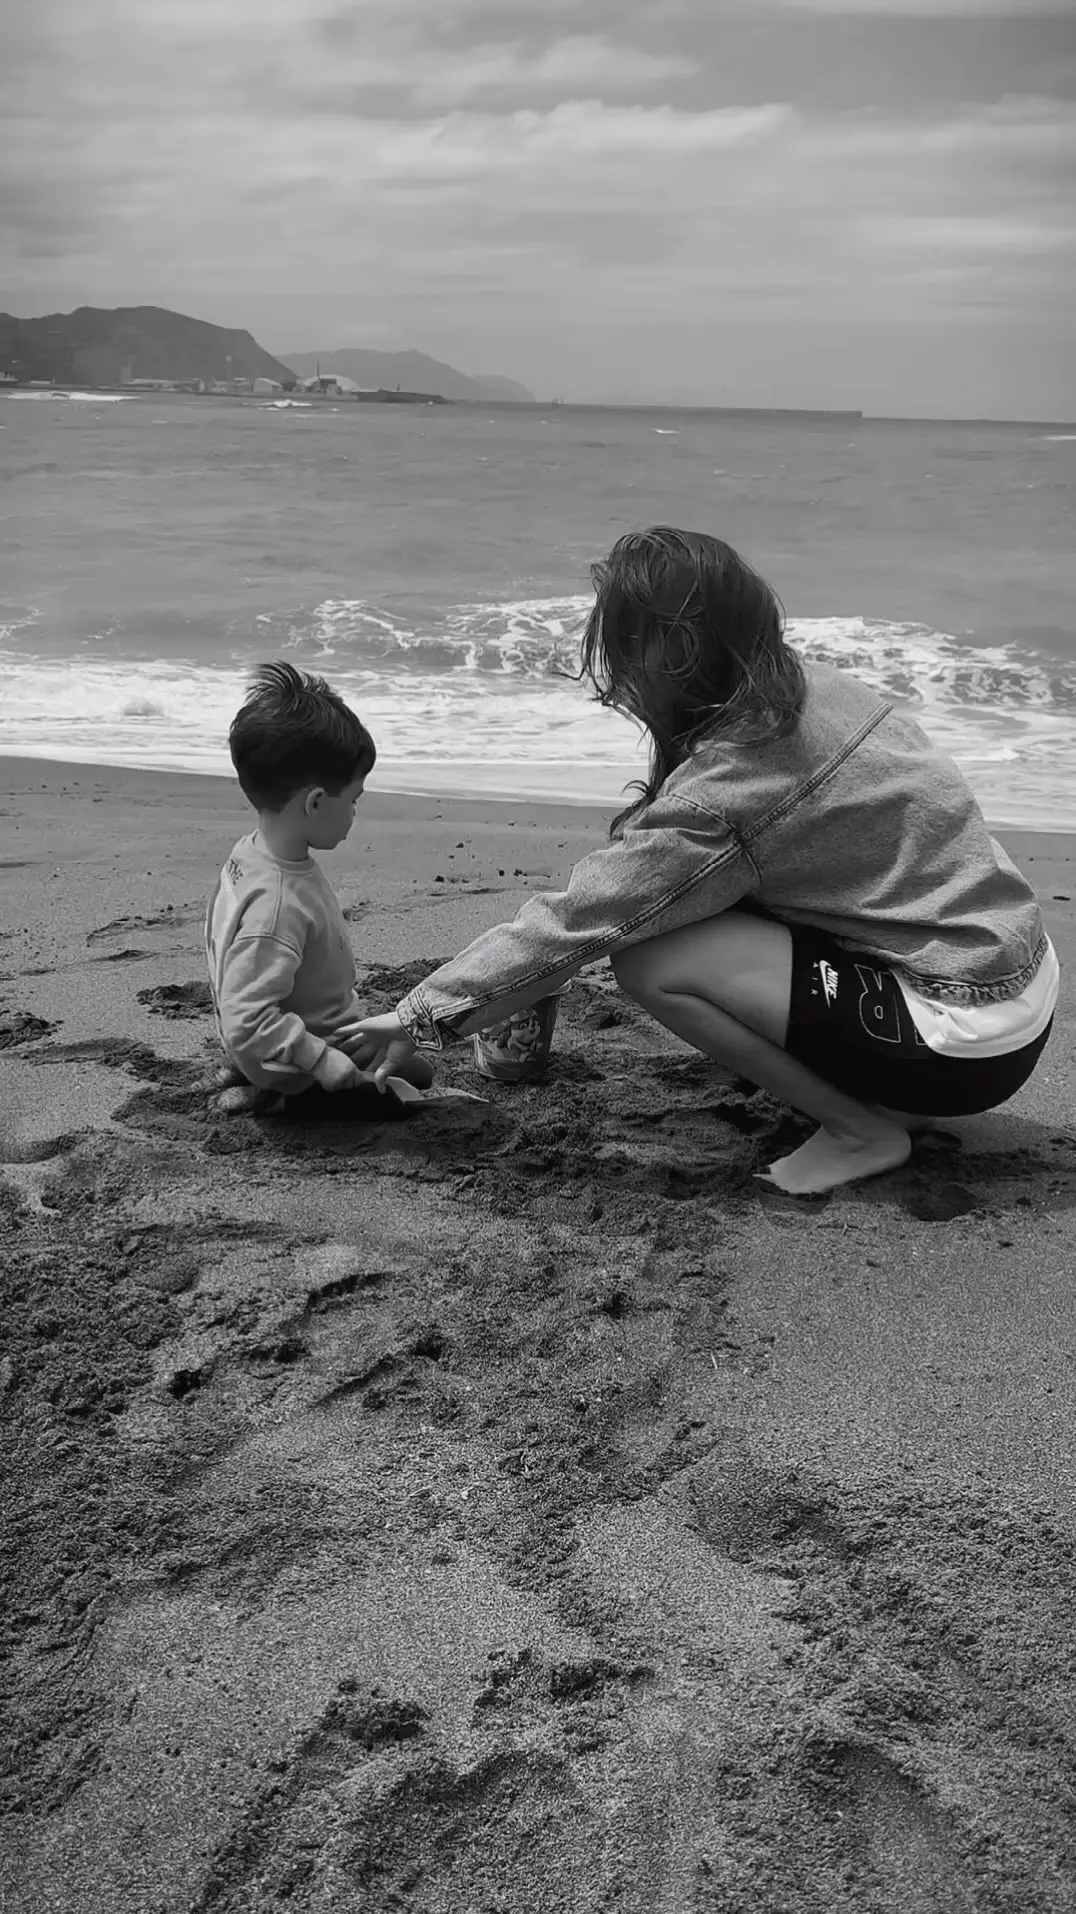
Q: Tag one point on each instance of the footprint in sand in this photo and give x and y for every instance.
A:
(122, 1053)
(38, 1149)
(178, 1000)
(886, 1819)
(172, 916)
(21, 1026)
(940, 1202)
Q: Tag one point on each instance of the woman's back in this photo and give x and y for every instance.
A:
(854, 822)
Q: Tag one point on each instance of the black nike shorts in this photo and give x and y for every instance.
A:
(849, 1023)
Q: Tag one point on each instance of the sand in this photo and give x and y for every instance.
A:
(511, 1507)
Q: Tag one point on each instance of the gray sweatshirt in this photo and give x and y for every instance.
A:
(281, 967)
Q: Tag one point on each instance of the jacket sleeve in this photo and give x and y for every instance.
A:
(677, 864)
(267, 1042)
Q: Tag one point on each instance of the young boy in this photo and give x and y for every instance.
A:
(281, 967)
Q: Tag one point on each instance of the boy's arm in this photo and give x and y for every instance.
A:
(267, 1042)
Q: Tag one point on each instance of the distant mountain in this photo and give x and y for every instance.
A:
(413, 371)
(100, 347)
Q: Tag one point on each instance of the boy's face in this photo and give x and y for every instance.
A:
(329, 815)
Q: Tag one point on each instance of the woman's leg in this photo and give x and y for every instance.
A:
(724, 986)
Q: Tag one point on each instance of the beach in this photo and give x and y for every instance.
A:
(512, 1505)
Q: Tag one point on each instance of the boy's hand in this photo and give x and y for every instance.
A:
(380, 1044)
(335, 1071)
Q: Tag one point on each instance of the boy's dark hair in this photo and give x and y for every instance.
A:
(294, 730)
(688, 640)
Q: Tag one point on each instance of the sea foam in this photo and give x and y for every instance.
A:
(485, 696)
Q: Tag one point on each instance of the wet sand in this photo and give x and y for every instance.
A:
(511, 1507)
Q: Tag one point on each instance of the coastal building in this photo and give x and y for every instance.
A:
(331, 385)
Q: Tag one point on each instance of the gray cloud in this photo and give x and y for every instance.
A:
(597, 192)
(933, 10)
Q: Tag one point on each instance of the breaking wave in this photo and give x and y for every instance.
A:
(482, 697)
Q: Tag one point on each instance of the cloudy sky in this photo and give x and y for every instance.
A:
(819, 202)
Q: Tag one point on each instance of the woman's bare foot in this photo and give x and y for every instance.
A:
(827, 1161)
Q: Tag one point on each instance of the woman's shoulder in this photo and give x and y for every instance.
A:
(837, 690)
(836, 706)
(741, 777)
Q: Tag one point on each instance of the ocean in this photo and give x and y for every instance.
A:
(433, 562)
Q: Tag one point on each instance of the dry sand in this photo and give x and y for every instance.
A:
(513, 1507)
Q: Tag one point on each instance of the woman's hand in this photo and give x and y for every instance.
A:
(377, 1044)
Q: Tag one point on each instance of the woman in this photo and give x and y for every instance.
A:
(805, 889)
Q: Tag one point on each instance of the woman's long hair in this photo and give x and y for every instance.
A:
(688, 640)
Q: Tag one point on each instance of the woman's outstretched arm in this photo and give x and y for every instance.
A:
(677, 864)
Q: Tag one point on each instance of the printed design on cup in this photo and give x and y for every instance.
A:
(518, 1049)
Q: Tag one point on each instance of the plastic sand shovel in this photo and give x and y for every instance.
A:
(408, 1093)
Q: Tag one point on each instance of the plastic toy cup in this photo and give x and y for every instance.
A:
(517, 1050)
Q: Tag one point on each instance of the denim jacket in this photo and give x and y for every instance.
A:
(853, 823)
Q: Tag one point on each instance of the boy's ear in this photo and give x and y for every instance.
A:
(312, 800)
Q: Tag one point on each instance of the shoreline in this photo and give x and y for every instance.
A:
(401, 785)
(646, 408)
(513, 1504)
